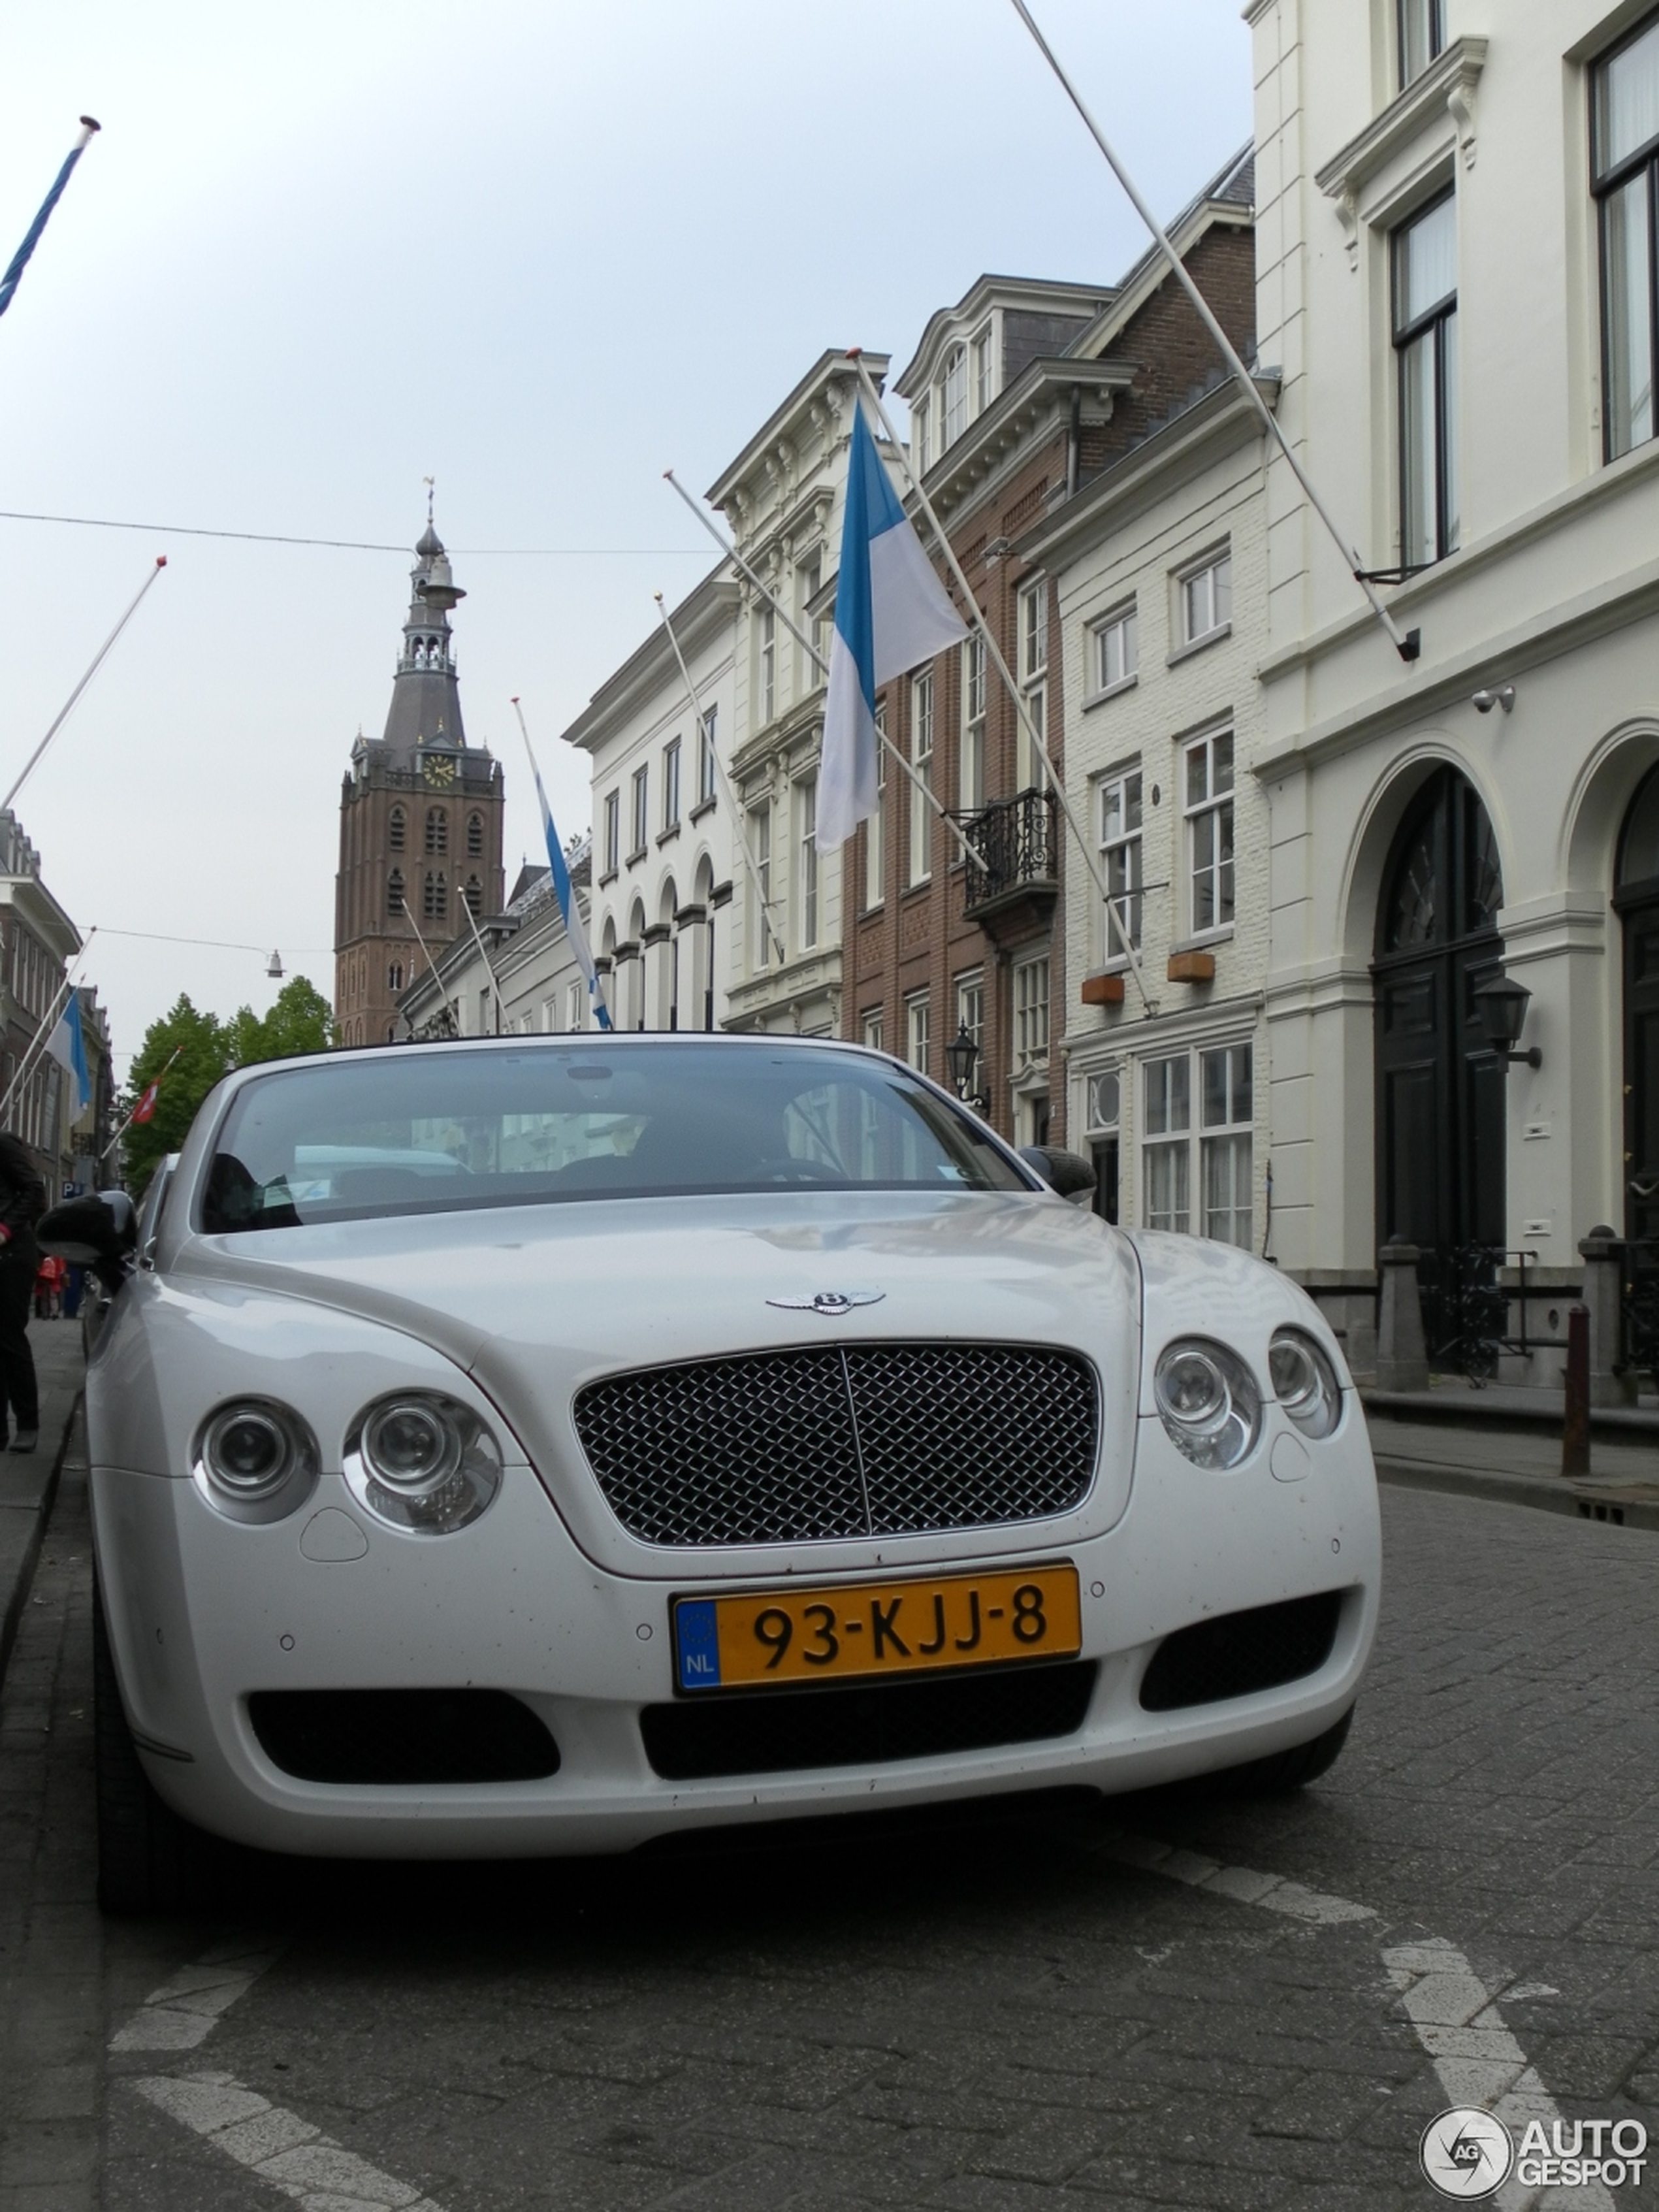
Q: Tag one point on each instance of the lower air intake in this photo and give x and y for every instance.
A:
(385, 1737)
(1241, 1652)
(864, 1724)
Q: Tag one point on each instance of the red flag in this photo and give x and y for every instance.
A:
(146, 1105)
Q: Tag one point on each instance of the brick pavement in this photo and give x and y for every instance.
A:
(950, 2015)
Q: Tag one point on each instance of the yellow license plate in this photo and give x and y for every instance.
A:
(875, 1628)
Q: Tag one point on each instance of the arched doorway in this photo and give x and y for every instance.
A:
(1440, 1123)
(1636, 901)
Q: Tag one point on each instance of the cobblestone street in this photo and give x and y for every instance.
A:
(1067, 2004)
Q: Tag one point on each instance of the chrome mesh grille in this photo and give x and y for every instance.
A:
(885, 1439)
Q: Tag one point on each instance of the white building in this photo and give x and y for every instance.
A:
(1456, 244)
(519, 975)
(712, 908)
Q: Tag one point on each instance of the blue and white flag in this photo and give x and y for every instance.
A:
(573, 928)
(19, 260)
(68, 1047)
(891, 611)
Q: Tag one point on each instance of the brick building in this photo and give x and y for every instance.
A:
(420, 822)
(1021, 395)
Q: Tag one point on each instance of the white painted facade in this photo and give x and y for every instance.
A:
(1553, 586)
(519, 976)
(1163, 1085)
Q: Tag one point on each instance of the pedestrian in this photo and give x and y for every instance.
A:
(22, 1202)
(48, 1288)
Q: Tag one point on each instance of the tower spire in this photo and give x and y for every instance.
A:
(425, 694)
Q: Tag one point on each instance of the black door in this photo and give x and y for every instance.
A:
(1440, 1137)
(1641, 920)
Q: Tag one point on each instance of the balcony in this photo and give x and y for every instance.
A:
(1014, 880)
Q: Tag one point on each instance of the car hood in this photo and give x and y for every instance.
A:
(535, 1301)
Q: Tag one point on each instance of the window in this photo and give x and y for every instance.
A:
(640, 815)
(1031, 1013)
(1113, 655)
(394, 891)
(1626, 171)
(1029, 771)
(434, 897)
(918, 1030)
(875, 827)
(475, 836)
(1166, 1144)
(808, 577)
(575, 1006)
(919, 427)
(1425, 348)
(953, 397)
(1120, 853)
(475, 895)
(1206, 597)
(760, 885)
(706, 770)
(970, 778)
(395, 829)
(437, 830)
(1102, 1104)
(670, 784)
(394, 976)
(1034, 629)
(806, 810)
(1208, 806)
(870, 1028)
(1422, 26)
(921, 760)
(766, 685)
(1225, 1111)
(984, 369)
(612, 831)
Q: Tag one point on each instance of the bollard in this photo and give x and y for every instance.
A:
(1575, 1422)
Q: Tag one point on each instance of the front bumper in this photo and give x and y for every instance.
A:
(203, 1612)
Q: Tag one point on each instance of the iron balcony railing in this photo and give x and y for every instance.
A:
(1014, 843)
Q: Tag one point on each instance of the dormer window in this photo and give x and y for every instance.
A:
(984, 370)
(953, 396)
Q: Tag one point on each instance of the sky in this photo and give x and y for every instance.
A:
(539, 250)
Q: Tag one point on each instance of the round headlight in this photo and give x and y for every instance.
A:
(255, 1459)
(1304, 1383)
(421, 1462)
(1208, 1402)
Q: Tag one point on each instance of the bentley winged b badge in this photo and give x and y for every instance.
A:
(830, 1303)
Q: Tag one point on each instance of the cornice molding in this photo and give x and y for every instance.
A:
(1446, 87)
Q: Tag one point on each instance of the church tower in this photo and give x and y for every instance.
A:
(420, 823)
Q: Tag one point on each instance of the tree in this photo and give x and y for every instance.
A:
(203, 1055)
(298, 1021)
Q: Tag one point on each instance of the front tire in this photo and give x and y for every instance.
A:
(149, 1859)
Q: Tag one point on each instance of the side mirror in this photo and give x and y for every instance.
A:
(1068, 1173)
(100, 1231)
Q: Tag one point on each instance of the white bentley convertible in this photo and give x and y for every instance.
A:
(537, 1445)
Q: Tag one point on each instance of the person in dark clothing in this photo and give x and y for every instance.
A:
(22, 1202)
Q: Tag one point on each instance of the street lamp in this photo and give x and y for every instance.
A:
(961, 1056)
(1502, 1004)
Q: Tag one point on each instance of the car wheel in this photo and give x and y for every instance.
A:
(1282, 1772)
(149, 1859)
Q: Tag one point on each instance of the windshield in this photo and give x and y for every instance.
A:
(420, 1133)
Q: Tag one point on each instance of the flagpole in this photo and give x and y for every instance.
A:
(995, 653)
(31, 1050)
(761, 899)
(68, 704)
(138, 1101)
(805, 643)
(19, 260)
(1407, 643)
(574, 932)
(436, 976)
(495, 979)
